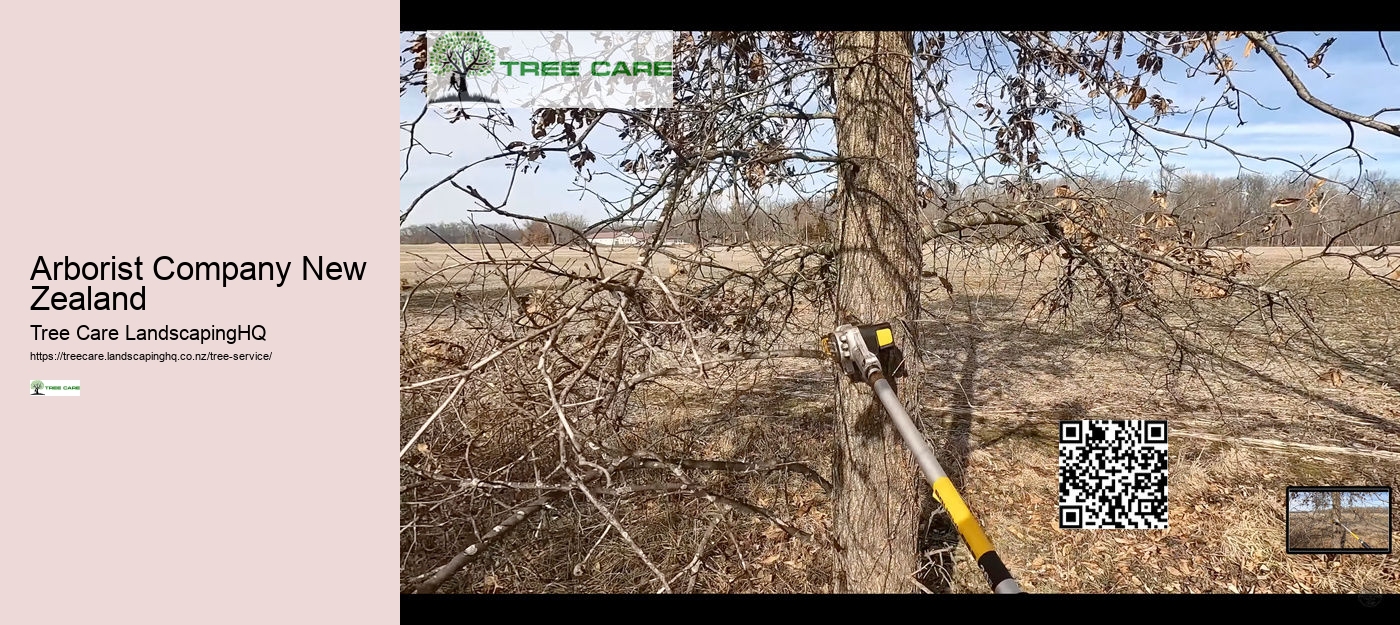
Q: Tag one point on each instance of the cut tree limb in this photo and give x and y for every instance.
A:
(430, 581)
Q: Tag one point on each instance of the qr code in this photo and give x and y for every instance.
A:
(1113, 474)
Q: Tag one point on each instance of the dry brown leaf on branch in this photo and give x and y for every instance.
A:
(1160, 197)
(756, 69)
(419, 48)
(1226, 64)
(1248, 47)
(1315, 60)
(1205, 290)
(1138, 97)
(1315, 198)
(1331, 376)
(1065, 199)
(1068, 227)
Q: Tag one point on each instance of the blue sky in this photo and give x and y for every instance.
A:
(1380, 498)
(1362, 82)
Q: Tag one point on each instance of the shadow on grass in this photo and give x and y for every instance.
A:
(1274, 383)
(438, 299)
(1000, 348)
(783, 406)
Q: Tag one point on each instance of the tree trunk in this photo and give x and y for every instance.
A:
(1337, 520)
(875, 509)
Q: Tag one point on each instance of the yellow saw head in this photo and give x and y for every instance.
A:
(861, 350)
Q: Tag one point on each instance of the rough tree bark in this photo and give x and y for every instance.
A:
(876, 508)
(1337, 520)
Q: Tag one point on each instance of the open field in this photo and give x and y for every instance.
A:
(418, 260)
(1315, 529)
(993, 384)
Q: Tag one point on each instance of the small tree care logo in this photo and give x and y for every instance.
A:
(468, 69)
(460, 55)
(54, 388)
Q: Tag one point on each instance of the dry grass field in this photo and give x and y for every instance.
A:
(1315, 529)
(994, 384)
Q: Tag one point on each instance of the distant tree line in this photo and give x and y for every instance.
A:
(1247, 210)
(553, 228)
(1258, 210)
(1239, 211)
(459, 233)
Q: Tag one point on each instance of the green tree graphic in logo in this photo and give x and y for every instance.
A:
(36, 385)
(459, 55)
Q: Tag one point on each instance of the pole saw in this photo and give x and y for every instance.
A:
(1353, 534)
(865, 353)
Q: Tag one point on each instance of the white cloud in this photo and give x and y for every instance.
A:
(1287, 128)
(1362, 83)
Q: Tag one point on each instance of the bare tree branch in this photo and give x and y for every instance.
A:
(1262, 42)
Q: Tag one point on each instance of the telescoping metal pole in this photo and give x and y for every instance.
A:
(856, 348)
(1353, 534)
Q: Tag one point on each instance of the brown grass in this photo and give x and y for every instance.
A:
(1315, 529)
(993, 388)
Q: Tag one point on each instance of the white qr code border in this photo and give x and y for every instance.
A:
(1132, 494)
